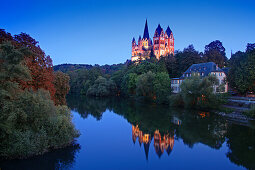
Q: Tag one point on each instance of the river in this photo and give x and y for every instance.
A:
(123, 134)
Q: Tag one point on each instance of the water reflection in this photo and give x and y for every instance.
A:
(58, 159)
(162, 143)
(164, 125)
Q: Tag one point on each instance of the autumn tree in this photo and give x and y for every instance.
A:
(62, 87)
(38, 63)
(5, 36)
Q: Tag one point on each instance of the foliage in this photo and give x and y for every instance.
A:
(106, 69)
(39, 65)
(102, 87)
(242, 71)
(12, 70)
(175, 100)
(62, 87)
(82, 79)
(250, 47)
(31, 124)
(181, 61)
(145, 85)
(215, 52)
(250, 112)
(198, 93)
(162, 87)
(153, 86)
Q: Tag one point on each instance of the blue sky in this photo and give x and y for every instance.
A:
(100, 32)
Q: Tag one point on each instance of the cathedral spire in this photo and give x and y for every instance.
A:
(146, 31)
(168, 31)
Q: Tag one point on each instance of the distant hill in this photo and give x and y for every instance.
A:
(106, 69)
(71, 67)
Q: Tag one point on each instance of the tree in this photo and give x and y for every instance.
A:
(215, 52)
(162, 87)
(12, 70)
(30, 123)
(197, 92)
(102, 87)
(5, 36)
(145, 85)
(61, 82)
(38, 63)
(250, 47)
(185, 59)
(242, 66)
(171, 65)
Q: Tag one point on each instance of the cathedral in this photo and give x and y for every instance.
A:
(162, 45)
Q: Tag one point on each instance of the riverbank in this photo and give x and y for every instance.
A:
(237, 107)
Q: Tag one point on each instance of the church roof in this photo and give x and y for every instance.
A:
(146, 31)
(159, 30)
(139, 38)
(168, 31)
(133, 40)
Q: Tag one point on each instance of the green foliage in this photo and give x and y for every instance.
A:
(102, 87)
(198, 93)
(32, 124)
(251, 112)
(82, 79)
(162, 87)
(175, 100)
(131, 84)
(12, 70)
(242, 71)
(145, 85)
(154, 86)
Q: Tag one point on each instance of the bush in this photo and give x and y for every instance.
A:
(251, 112)
(32, 125)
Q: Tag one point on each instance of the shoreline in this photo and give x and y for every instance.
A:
(48, 150)
(237, 117)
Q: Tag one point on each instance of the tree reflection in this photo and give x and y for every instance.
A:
(241, 143)
(57, 159)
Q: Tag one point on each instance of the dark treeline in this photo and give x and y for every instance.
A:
(150, 79)
(33, 115)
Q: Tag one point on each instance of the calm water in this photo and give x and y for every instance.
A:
(120, 134)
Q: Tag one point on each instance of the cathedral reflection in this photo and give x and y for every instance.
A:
(162, 142)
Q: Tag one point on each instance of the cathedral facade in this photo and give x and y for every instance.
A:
(162, 44)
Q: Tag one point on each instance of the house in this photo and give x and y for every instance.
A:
(203, 70)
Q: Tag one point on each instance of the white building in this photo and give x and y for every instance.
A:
(203, 69)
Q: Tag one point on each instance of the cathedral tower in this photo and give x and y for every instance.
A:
(163, 44)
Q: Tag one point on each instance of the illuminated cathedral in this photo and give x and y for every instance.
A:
(162, 45)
